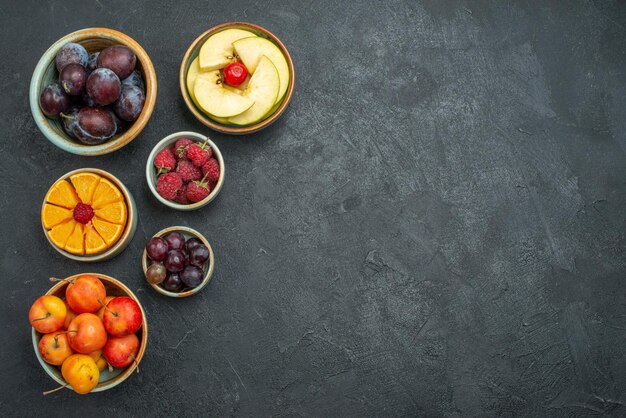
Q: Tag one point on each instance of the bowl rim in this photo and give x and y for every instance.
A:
(151, 177)
(207, 276)
(36, 86)
(143, 342)
(129, 228)
(232, 129)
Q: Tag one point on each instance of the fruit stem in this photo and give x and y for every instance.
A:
(54, 279)
(54, 390)
(135, 361)
(107, 309)
(48, 314)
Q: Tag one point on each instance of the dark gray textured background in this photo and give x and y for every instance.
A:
(435, 227)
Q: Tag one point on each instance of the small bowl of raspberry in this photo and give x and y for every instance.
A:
(185, 170)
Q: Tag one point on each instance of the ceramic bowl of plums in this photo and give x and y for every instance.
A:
(93, 91)
(237, 78)
(89, 332)
(185, 171)
(178, 262)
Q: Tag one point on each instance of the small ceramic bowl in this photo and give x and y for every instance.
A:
(168, 141)
(107, 379)
(127, 234)
(209, 266)
(192, 53)
(93, 39)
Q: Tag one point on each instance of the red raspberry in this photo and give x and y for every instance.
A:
(168, 184)
(181, 195)
(211, 170)
(198, 153)
(83, 213)
(187, 171)
(198, 190)
(180, 148)
(165, 161)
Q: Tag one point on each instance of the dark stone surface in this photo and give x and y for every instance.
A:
(434, 228)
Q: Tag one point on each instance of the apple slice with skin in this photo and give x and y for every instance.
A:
(217, 51)
(192, 74)
(250, 51)
(263, 89)
(215, 100)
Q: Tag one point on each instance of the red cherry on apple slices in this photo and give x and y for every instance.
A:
(235, 73)
(122, 316)
(121, 351)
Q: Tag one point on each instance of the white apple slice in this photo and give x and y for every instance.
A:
(251, 49)
(263, 89)
(217, 51)
(215, 100)
(192, 74)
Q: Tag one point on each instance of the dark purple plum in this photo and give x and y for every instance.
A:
(172, 282)
(92, 62)
(199, 255)
(130, 104)
(54, 101)
(103, 86)
(175, 240)
(73, 78)
(192, 243)
(192, 276)
(71, 53)
(157, 249)
(134, 80)
(175, 261)
(118, 58)
(93, 125)
(70, 120)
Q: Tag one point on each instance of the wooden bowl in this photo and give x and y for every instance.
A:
(151, 171)
(129, 230)
(93, 39)
(208, 267)
(108, 379)
(192, 53)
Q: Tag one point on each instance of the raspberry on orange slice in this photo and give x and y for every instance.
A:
(75, 244)
(93, 241)
(113, 212)
(108, 231)
(60, 233)
(62, 194)
(52, 215)
(105, 193)
(85, 185)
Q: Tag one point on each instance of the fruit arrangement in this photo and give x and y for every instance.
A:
(97, 95)
(85, 214)
(176, 263)
(87, 332)
(186, 172)
(238, 77)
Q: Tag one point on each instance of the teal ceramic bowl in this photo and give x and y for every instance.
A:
(208, 267)
(169, 141)
(93, 39)
(108, 378)
(129, 229)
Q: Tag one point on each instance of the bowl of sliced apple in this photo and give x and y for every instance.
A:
(237, 78)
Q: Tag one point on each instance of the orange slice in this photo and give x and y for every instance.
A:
(105, 193)
(108, 231)
(113, 212)
(60, 233)
(62, 194)
(93, 241)
(52, 215)
(75, 244)
(85, 185)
